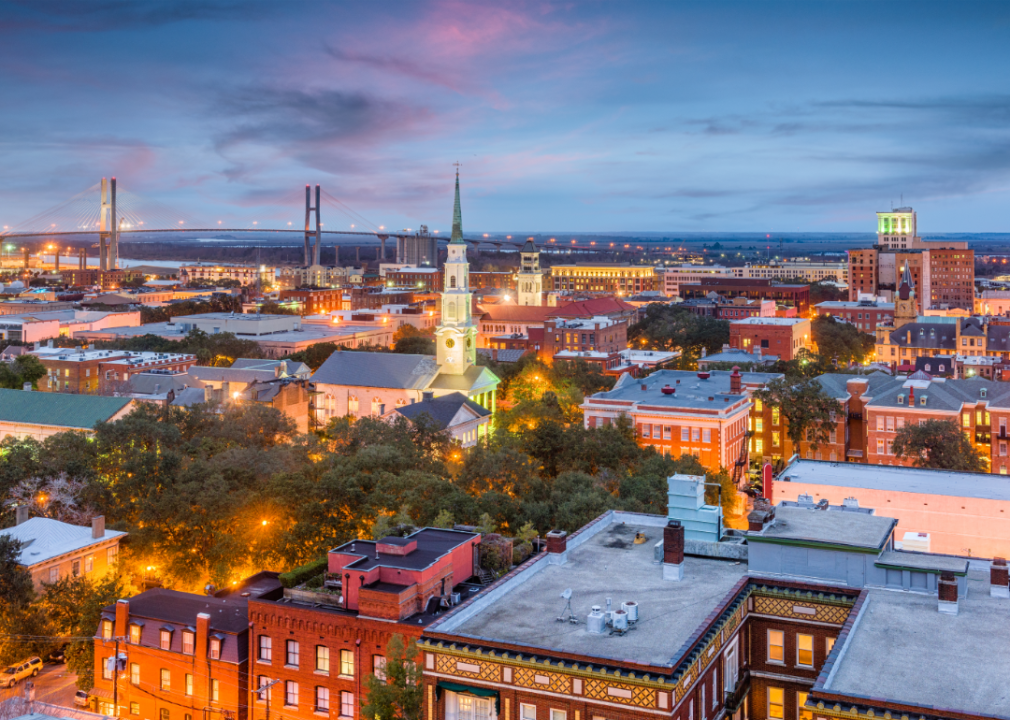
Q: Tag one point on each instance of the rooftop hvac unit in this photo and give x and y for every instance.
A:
(596, 623)
(631, 608)
(620, 620)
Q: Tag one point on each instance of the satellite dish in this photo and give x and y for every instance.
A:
(567, 593)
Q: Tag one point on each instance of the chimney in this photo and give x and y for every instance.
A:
(735, 385)
(202, 644)
(673, 551)
(999, 579)
(557, 547)
(644, 386)
(21, 514)
(427, 395)
(122, 617)
(947, 591)
(761, 516)
(98, 526)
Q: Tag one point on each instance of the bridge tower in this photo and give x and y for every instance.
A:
(108, 229)
(312, 250)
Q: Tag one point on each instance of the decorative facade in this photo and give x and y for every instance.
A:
(456, 337)
(529, 281)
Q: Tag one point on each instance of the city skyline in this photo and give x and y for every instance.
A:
(687, 117)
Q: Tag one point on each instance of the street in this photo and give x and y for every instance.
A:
(54, 685)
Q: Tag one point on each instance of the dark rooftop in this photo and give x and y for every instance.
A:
(227, 614)
(432, 543)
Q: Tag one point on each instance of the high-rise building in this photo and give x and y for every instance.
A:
(530, 281)
(456, 336)
(419, 249)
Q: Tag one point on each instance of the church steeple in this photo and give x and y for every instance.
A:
(456, 335)
(905, 306)
(457, 216)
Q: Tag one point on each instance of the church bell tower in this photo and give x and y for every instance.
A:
(529, 281)
(456, 335)
(904, 302)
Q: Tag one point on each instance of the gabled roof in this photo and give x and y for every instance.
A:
(43, 538)
(59, 409)
(591, 308)
(382, 370)
(227, 614)
(475, 378)
(933, 335)
(443, 409)
(517, 313)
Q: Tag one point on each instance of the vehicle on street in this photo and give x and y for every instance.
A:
(81, 698)
(58, 655)
(14, 674)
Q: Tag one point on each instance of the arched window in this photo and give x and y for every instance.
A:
(352, 405)
(377, 406)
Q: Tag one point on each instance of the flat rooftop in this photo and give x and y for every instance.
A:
(691, 391)
(891, 654)
(899, 479)
(432, 544)
(608, 564)
(769, 321)
(849, 529)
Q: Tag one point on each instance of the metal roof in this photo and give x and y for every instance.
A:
(443, 409)
(382, 370)
(58, 409)
(43, 538)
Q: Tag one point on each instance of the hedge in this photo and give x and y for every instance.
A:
(296, 577)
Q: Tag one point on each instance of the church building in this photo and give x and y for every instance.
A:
(363, 384)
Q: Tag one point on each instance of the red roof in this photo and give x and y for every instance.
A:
(517, 313)
(591, 308)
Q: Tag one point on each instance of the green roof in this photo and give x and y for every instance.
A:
(58, 409)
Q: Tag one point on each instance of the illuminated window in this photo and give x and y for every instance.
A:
(135, 634)
(829, 644)
(166, 639)
(166, 679)
(215, 690)
(322, 658)
(347, 663)
(134, 673)
(804, 650)
(189, 684)
(776, 703)
(776, 646)
(188, 643)
(214, 651)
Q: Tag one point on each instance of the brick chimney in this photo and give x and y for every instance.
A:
(98, 527)
(761, 516)
(557, 547)
(21, 514)
(999, 578)
(673, 551)
(122, 617)
(735, 385)
(947, 591)
(202, 640)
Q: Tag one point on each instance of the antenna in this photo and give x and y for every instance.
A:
(567, 595)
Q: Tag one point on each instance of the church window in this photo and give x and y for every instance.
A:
(451, 311)
(452, 281)
(352, 404)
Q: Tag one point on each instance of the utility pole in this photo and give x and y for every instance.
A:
(115, 681)
(265, 687)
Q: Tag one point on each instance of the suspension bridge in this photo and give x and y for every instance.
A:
(111, 212)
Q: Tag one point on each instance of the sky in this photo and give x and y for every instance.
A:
(563, 116)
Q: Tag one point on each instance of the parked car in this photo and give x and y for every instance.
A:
(14, 674)
(81, 698)
(58, 655)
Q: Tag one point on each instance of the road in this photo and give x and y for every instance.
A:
(54, 685)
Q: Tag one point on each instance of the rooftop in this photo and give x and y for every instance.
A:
(227, 614)
(45, 538)
(81, 412)
(899, 479)
(769, 321)
(432, 543)
(794, 525)
(970, 676)
(691, 392)
(603, 562)
(443, 409)
(385, 370)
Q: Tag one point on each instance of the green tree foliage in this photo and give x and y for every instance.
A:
(824, 292)
(217, 303)
(413, 341)
(808, 410)
(399, 696)
(16, 587)
(315, 355)
(841, 343)
(219, 349)
(271, 308)
(669, 327)
(23, 628)
(938, 444)
(24, 369)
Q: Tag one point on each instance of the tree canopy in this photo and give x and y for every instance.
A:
(808, 410)
(669, 327)
(398, 694)
(841, 343)
(24, 369)
(938, 444)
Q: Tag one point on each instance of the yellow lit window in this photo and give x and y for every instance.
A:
(776, 646)
(758, 406)
(775, 439)
(966, 420)
(776, 703)
(805, 650)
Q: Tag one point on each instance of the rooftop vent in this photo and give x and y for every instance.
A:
(999, 578)
(668, 390)
(644, 387)
(704, 375)
(596, 623)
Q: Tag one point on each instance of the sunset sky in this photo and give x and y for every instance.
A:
(576, 116)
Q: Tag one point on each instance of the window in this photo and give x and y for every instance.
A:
(776, 646)
(685, 434)
(775, 416)
(646, 431)
(804, 650)
(112, 554)
(291, 653)
(965, 419)
(75, 567)
(134, 673)
(215, 690)
(89, 563)
(261, 682)
(266, 648)
(106, 629)
(215, 648)
(801, 712)
(135, 708)
(776, 703)
(469, 707)
(135, 634)
(706, 436)
(290, 693)
(107, 669)
(165, 637)
(759, 425)
(776, 438)
(379, 666)
(352, 404)
(880, 447)
(322, 659)
(758, 406)
(322, 699)
(346, 704)
(701, 704)
(667, 432)
(558, 714)
(189, 684)
(187, 643)
(829, 644)
(164, 714)
(880, 422)
(166, 679)
(347, 663)
(731, 666)
(758, 446)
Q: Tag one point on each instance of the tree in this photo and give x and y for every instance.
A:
(821, 291)
(399, 695)
(24, 369)
(938, 444)
(16, 588)
(315, 355)
(841, 343)
(668, 327)
(807, 409)
(413, 341)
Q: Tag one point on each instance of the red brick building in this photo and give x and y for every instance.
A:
(100, 371)
(486, 280)
(321, 643)
(314, 302)
(598, 334)
(419, 279)
(782, 337)
(797, 296)
(951, 278)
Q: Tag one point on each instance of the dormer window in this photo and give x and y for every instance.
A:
(981, 392)
(135, 629)
(922, 399)
(901, 399)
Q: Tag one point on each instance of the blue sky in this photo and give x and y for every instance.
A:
(583, 117)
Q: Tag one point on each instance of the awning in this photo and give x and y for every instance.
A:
(470, 690)
(100, 693)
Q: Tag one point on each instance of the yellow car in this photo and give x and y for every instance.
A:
(14, 674)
